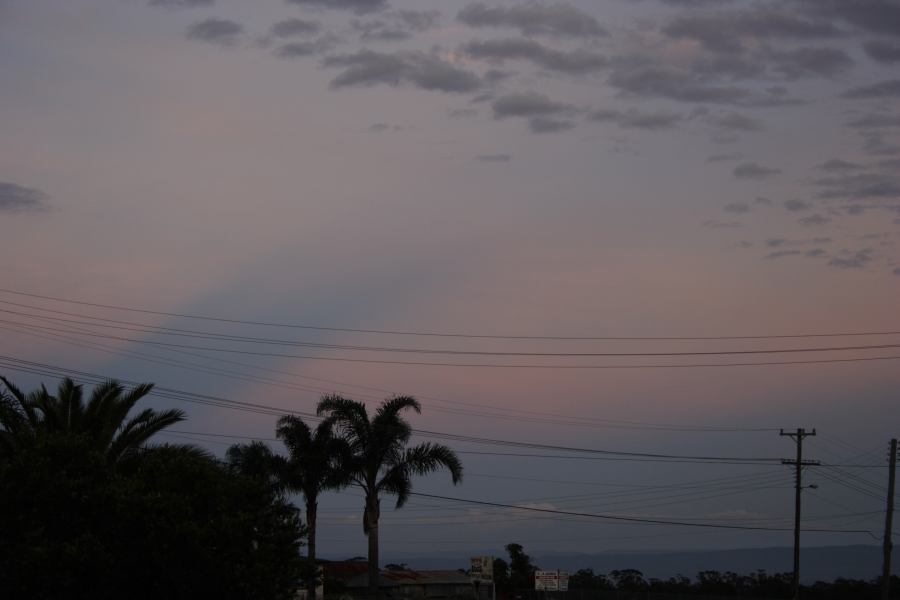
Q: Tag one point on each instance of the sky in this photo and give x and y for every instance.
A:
(519, 169)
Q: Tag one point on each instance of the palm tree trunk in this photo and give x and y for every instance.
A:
(370, 523)
(312, 578)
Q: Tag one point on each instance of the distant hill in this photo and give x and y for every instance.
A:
(823, 563)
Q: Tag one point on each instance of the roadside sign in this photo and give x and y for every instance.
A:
(481, 568)
(551, 581)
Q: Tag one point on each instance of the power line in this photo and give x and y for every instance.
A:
(504, 413)
(630, 519)
(442, 334)
(42, 368)
(528, 366)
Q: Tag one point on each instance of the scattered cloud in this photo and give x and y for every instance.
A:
(735, 122)
(303, 49)
(462, 113)
(737, 208)
(836, 165)
(635, 119)
(529, 104)
(356, 6)
(549, 125)
(795, 205)
(810, 62)
(783, 253)
(422, 70)
(730, 32)
(860, 186)
(884, 52)
(875, 16)
(814, 220)
(295, 27)
(221, 32)
(856, 259)
(876, 144)
(534, 18)
(397, 25)
(573, 62)
(494, 158)
(883, 89)
(713, 224)
(752, 170)
(16, 198)
(875, 121)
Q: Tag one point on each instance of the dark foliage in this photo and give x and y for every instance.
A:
(77, 521)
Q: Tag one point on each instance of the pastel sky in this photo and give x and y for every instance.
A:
(652, 168)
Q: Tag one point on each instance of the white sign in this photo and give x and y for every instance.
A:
(551, 581)
(482, 568)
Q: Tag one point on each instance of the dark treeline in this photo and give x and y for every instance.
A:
(91, 508)
(515, 579)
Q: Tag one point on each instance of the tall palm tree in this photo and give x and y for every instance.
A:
(103, 420)
(315, 464)
(380, 461)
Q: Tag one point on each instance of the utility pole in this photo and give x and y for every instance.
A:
(888, 525)
(799, 463)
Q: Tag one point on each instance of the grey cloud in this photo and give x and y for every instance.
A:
(399, 25)
(763, 201)
(724, 157)
(810, 62)
(528, 105)
(295, 27)
(574, 62)
(724, 31)
(418, 20)
(549, 125)
(357, 6)
(383, 127)
(379, 31)
(754, 171)
(815, 253)
(14, 198)
(462, 113)
(875, 121)
(883, 89)
(736, 122)
(896, 271)
(883, 52)
(712, 224)
(860, 186)
(876, 144)
(847, 259)
(737, 208)
(814, 220)
(181, 3)
(836, 165)
(675, 84)
(221, 32)
(877, 16)
(494, 158)
(303, 49)
(534, 18)
(795, 205)
(426, 71)
(635, 119)
(783, 253)
(891, 164)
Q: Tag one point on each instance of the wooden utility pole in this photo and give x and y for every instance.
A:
(888, 525)
(799, 463)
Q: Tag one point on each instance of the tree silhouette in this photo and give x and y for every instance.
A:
(103, 420)
(379, 460)
(316, 462)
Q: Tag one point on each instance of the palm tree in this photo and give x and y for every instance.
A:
(315, 464)
(380, 461)
(103, 420)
